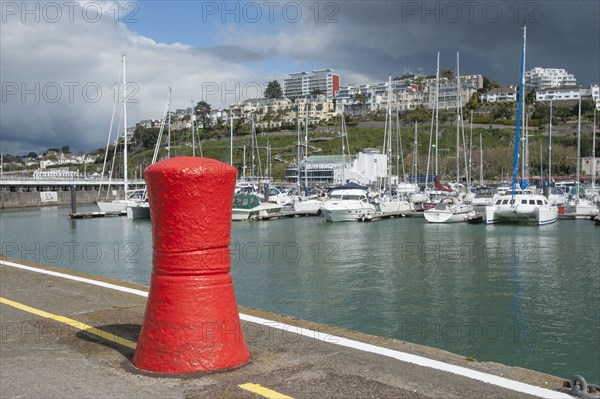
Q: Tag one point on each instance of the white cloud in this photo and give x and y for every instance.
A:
(45, 67)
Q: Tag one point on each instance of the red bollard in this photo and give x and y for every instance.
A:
(192, 323)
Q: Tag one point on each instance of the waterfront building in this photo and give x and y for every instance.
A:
(500, 94)
(565, 93)
(586, 166)
(544, 78)
(301, 84)
(367, 167)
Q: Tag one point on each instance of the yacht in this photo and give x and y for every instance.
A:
(348, 203)
(449, 210)
(249, 207)
(522, 207)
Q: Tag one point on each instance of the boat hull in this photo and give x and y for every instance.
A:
(347, 214)
(113, 207)
(519, 212)
(138, 211)
(435, 216)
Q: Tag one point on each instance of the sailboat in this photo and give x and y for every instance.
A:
(388, 203)
(141, 209)
(525, 206)
(580, 207)
(450, 209)
(304, 203)
(131, 197)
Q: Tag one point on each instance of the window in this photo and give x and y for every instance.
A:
(539, 202)
(524, 201)
(531, 202)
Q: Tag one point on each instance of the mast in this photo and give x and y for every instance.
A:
(470, 167)
(480, 160)
(519, 107)
(550, 147)
(252, 144)
(457, 121)
(437, 97)
(244, 163)
(343, 148)
(306, 148)
(578, 142)
(298, 158)
(125, 180)
(193, 119)
(169, 127)
(387, 141)
(594, 154)
(231, 140)
(415, 165)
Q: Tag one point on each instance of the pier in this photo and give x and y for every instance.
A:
(69, 334)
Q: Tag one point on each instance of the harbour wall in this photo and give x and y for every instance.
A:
(23, 199)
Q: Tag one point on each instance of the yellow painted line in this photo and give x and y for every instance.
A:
(262, 391)
(73, 323)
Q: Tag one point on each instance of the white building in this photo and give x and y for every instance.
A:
(469, 84)
(569, 93)
(368, 168)
(545, 78)
(586, 166)
(301, 84)
(500, 94)
(407, 95)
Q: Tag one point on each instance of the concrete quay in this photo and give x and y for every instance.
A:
(68, 335)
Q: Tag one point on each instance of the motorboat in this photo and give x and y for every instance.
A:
(249, 207)
(348, 203)
(449, 210)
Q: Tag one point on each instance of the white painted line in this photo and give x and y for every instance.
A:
(76, 278)
(345, 342)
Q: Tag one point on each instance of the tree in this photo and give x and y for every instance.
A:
(32, 155)
(202, 111)
(273, 90)
(446, 73)
(361, 98)
(65, 149)
(316, 91)
(489, 84)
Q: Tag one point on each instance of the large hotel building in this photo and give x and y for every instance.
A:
(302, 84)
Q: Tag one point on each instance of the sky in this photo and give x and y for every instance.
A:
(61, 60)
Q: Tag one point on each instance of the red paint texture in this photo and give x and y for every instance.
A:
(191, 322)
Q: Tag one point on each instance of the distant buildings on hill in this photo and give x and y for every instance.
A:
(319, 94)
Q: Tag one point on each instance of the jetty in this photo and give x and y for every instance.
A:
(69, 334)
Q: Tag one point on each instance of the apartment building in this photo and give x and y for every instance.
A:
(545, 78)
(301, 84)
(500, 95)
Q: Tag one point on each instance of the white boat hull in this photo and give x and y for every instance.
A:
(520, 212)
(582, 210)
(435, 216)
(265, 210)
(394, 207)
(113, 207)
(138, 211)
(308, 207)
(347, 211)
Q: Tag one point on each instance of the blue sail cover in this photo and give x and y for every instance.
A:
(523, 184)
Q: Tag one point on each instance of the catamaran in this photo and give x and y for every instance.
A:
(524, 207)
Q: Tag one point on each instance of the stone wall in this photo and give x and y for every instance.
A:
(44, 198)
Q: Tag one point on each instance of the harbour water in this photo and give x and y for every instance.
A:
(520, 295)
